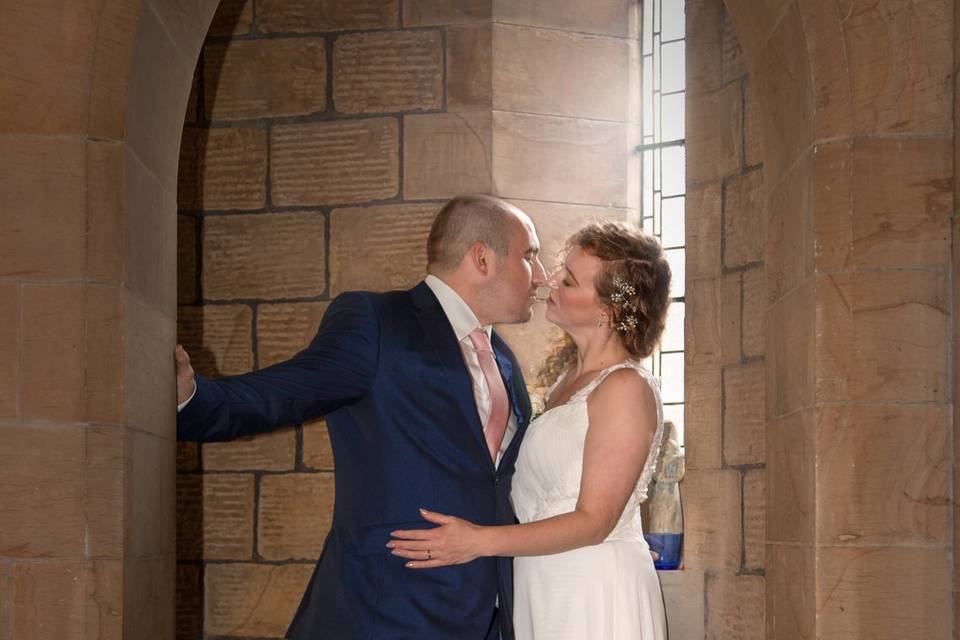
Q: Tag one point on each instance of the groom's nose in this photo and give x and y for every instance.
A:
(539, 273)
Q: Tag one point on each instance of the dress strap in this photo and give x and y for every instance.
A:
(593, 384)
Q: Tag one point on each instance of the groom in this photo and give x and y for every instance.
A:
(426, 407)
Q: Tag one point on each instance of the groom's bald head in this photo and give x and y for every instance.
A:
(464, 221)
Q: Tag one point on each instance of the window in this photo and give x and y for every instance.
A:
(663, 180)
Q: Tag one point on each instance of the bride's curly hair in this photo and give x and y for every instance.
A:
(633, 284)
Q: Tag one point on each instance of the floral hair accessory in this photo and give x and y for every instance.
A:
(620, 296)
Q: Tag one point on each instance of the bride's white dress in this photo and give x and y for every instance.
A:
(608, 591)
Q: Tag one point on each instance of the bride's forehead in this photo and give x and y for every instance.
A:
(586, 261)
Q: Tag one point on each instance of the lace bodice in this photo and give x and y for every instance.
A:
(550, 462)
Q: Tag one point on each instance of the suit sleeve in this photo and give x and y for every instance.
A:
(335, 370)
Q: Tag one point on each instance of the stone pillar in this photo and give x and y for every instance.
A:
(859, 181)
(94, 94)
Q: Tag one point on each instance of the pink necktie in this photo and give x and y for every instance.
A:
(497, 420)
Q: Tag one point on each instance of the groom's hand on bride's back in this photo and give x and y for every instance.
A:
(185, 377)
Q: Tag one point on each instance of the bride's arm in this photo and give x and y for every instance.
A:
(623, 416)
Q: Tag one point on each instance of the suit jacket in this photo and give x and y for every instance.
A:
(387, 371)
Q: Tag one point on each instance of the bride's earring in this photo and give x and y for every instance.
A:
(600, 322)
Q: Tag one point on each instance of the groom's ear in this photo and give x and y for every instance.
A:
(481, 258)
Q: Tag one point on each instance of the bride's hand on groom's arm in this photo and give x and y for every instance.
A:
(452, 541)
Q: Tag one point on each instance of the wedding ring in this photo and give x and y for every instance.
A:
(429, 557)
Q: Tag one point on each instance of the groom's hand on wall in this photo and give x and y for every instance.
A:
(185, 378)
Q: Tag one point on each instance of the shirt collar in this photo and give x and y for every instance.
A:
(459, 314)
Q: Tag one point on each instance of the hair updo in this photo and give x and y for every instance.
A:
(633, 284)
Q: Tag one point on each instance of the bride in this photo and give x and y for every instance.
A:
(582, 569)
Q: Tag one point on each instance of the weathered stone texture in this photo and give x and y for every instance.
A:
(277, 255)
(743, 215)
(222, 169)
(388, 71)
(735, 607)
(743, 413)
(227, 516)
(273, 451)
(334, 162)
(379, 248)
(285, 329)
(217, 337)
(712, 535)
(9, 350)
(754, 518)
(233, 17)
(252, 600)
(304, 16)
(260, 78)
(295, 515)
(317, 453)
(446, 154)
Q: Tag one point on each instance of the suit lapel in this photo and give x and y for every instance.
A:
(516, 390)
(434, 323)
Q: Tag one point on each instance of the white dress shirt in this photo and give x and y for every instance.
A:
(464, 322)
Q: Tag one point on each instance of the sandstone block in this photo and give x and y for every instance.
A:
(608, 17)
(66, 600)
(560, 159)
(743, 413)
(560, 73)
(334, 162)
(425, 13)
(901, 56)
(265, 78)
(899, 197)
(222, 169)
(188, 456)
(106, 210)
(754, 519)
(711, 508)
(714, 142)
(787, 116)
(683, 599)
(856, 589)
(882, 336)
(148, 615)
(44, 220)
(106, 477)
(732, 63)
(752, 331)
(9, 351)
(790, 589)
(735, 607)
(217, 337)
(42, 495)
(447, 154)
(791, 478)
(47, 93)
(882, 474)
(379, 248)
(276, 255)
(470, 67)
(252, 600)
(789, 252)
(150, 236)
(702, 416)
(53, 354)
(789, 352)
(147, 335)
(227, 516)
(702, 223)
(273, 451)
(295, 514)
(743, 215)
(701, 327)
(704, 56)
(317, 453)
(301, 16)
(150, 492)
(388, 71)
(189, 517)
(752, 132)
(730, 320)
(285, 329)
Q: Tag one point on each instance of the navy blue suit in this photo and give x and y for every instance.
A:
(387, 372)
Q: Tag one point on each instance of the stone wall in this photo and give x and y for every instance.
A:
(319, 142)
